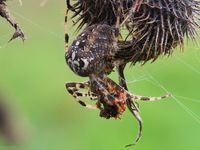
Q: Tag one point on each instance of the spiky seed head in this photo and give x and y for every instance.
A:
(159, 26)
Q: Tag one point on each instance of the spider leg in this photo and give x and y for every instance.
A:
(89, 94)
(66, 30)
(4, 12)
(78, 86)
(69, 6)
(132, 106)
(73, 88)
(146, 98)
(122, 80)
(135, 111)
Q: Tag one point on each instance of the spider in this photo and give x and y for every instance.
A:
(92, 55)
(4, 12)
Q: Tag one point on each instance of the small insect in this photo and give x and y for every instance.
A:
(92, 55)
(4, 12)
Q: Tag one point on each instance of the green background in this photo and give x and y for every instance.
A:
(33, 74)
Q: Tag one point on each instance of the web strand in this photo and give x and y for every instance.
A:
(188, 65)
(183, 106)
(37, 26)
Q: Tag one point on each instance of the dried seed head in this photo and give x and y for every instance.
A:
(90, 12)
(158, 26)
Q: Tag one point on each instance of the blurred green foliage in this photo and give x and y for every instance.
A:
(34, 73)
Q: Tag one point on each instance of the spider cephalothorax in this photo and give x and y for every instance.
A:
(4, 12)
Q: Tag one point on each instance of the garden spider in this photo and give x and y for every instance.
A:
(92, 55)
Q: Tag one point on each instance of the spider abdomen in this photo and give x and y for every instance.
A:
(91, 50)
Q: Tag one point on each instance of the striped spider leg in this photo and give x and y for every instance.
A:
(5, 13)
(74, 89)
